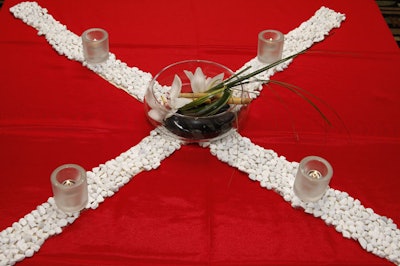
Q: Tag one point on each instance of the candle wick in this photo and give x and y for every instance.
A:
(314, 174)
(68, 182)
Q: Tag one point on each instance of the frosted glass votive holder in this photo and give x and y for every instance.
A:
(70, 187)
(270, 46)
(95, 45)
(312, 178)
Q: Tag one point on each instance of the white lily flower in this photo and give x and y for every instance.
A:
(176, 88)
(200, 83)
(156, 112)
(172, 105)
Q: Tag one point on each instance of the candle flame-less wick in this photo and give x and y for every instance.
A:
(315, 174)
(68, 182)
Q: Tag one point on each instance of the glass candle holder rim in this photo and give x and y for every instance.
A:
(103, 37)
(79, 181)
(324, 162)
(162, 107)
(280, 35)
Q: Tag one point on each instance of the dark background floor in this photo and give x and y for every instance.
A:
(390, 11)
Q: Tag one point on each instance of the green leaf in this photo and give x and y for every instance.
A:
(213, 107)
(200, 100)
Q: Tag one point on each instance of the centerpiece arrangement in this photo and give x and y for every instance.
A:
(199, 100)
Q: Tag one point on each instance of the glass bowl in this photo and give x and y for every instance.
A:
(187, 127)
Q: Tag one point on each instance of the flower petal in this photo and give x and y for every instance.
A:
(156, 115)
(176, 88)
(188, 74)
(199, 72)
(198, 81)
(211, 82)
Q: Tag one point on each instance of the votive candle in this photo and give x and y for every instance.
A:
(69, 186)
(270, 46)
(312, 178)
(95, 45)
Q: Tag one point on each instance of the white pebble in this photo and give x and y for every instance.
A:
(346, 234)
(29, 217)
(29, 253)
(62, 222)
(362, 242)
(41, 210)
(18, 257)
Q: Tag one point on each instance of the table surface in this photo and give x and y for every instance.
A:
(194, 209)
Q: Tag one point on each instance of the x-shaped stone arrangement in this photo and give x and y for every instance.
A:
(375, 233)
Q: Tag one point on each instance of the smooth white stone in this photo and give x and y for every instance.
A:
(62, 222)
(18, 257)
(318, 213)
(346, 234)
(22, 245)
(29, 217)
(99, 199)
(362, 242)
(70, 220)
(58, 230)
(29, 253)
(22, 222)
(4, 240)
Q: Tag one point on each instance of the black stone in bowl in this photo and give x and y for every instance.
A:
(198, 128)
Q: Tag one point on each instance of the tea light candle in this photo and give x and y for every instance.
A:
(69, 186)
(95, 45)
(270, 46)
(312, 178)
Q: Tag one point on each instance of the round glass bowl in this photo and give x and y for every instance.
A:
(186, 127)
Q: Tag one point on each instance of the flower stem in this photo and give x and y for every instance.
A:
(232, 100)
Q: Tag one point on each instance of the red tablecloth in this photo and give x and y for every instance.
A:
(194, 209)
